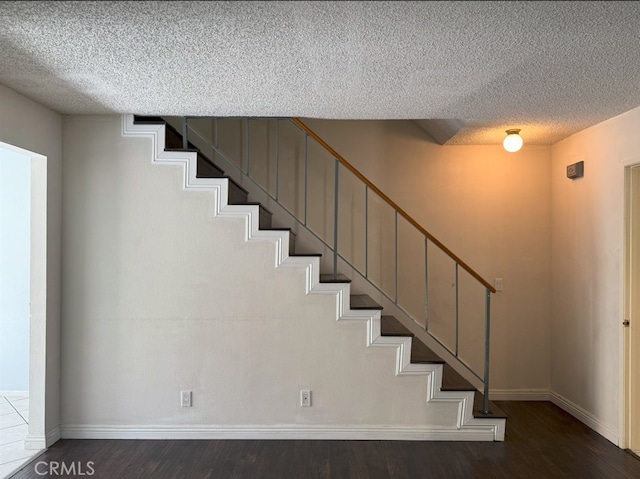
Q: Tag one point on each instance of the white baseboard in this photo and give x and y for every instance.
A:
(586, 417)
(14, 393)
(401, 433)
(37, 441)
(519, 395)
(53, 436)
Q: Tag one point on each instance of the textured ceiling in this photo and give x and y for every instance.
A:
(550, 68)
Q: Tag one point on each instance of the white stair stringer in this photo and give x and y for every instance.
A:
(465, 421)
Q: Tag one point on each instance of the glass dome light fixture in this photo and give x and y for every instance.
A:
(513, 140)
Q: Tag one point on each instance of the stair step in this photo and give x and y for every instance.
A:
(148, 120)
(421, 353)
(265, 215)
(292, 238)
(453, 381)
(329, 278)
(191, 150)
(390, 326)
(494, 410)
(363, 301)
(173, 138)
(207, 168)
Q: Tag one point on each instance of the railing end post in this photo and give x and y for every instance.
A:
(487, 350)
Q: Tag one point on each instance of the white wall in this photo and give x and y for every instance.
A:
(587, 281)
(15, 216)
(491, 208)
(28, 125)
(161, 296)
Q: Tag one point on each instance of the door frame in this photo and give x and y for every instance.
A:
(631, 311)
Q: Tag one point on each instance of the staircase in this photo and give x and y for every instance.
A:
(414, 357)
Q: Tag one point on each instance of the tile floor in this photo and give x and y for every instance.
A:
(14, 420)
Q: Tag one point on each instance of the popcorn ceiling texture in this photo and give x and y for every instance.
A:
(550, 68)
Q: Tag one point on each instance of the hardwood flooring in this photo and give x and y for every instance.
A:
(542, 441)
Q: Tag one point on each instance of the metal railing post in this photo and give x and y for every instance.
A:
(366, 231)
(306, 175)
(426, 284)
(246, 147)
(185, 142)
(335, 219)
(457, 316)
(277, 157)
(396, 257)
(487, 341)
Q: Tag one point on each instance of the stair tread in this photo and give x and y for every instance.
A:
(306, 254)
(390, 326)
(421, 353)
(363, 301)
(190, 150)
(148, 120)
(328, 278)
(255, 203)
(494, 409)
(231, 180)
(453, 381)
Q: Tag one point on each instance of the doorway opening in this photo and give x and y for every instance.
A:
(23, 180)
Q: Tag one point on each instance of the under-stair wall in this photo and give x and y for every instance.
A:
(160, 295)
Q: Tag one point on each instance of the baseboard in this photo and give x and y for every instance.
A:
(634, 453)
(53, 436)
(586, 417)
(519, 395)
(38, 441)
(400, 433)
(14, 393)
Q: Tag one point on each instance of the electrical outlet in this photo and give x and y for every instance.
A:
(185, 398)
(305, 398)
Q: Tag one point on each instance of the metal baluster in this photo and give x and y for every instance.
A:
(426, 284)
(246, 146)
(487, 340)
(396, 256)
(456, 310)
(277, 157)
(335, 220)
(185, 142)
(306, 159)
(215, 132)
(366, 231)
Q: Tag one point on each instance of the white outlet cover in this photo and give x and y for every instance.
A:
(185, 398)
(305, 398)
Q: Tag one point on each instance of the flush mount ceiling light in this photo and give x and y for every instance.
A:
(513, 141)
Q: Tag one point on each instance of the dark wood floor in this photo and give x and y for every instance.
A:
(542, 441)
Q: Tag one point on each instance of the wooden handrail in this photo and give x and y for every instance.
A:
(391, 203)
